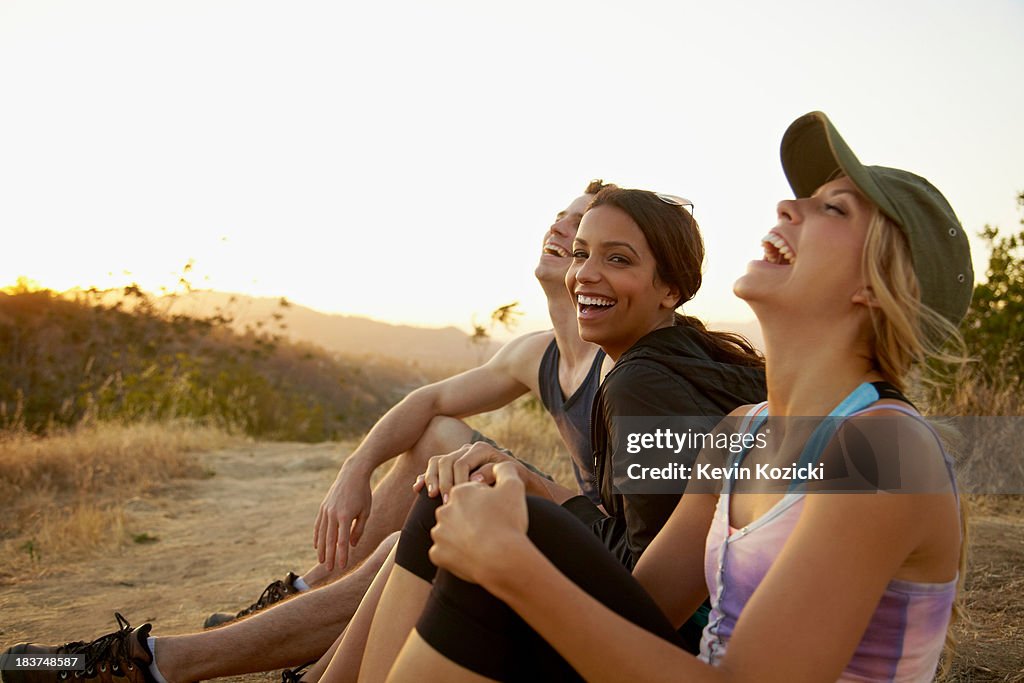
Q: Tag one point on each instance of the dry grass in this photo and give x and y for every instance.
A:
(971, 394)
(984, 440)
(63, 494)
(990, 639)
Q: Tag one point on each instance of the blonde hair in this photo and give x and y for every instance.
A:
(908, 333)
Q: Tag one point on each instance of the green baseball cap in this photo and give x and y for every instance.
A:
(813, 152)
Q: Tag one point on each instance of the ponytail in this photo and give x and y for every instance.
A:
(725, 347)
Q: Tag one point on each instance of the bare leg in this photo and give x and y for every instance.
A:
(393, 495)
(400, 606)
(316, 670)
(346, 659)
(421, 663)
(288, 634)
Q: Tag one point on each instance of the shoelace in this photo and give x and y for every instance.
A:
(275, 592)
(72, 648)
(112, 646)
(293, 675)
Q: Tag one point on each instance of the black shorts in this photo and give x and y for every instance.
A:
(471, 627)
(479, 437)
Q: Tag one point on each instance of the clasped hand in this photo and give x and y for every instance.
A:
(479, 526)
(473, 462)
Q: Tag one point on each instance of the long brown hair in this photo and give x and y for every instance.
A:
(678, 248)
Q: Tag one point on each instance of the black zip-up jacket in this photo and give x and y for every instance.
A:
(669, 372)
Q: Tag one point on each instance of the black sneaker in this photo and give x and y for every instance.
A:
(275, 592)
(295, 675)
(119, 657)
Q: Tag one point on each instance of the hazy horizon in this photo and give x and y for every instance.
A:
(402, 160)
(497, 332)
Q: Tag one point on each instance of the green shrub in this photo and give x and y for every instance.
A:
(64, 361)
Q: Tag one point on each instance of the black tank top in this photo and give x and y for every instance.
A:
(572, 415)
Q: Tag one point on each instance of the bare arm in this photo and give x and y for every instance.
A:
(671, 570)
(672, 567)
(346, 507)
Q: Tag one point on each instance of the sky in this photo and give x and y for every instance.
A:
(402, 159)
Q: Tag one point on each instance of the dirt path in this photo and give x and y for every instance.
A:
(221, 539)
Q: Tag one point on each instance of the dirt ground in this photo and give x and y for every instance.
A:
(221, 539)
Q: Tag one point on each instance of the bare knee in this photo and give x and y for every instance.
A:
(418, 661)
(443, 435)
(379, 557)
(386, 546)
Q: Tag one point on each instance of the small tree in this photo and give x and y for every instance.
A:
(994, 326)
(507, 316)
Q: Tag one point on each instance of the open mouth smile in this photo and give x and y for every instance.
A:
(589, 305)
(553, 249)
(777, 250)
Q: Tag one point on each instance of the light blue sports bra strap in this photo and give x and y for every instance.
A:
(859, 398)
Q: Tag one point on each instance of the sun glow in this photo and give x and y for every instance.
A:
(406, 170)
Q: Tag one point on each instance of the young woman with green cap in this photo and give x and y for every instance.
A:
(866, 272)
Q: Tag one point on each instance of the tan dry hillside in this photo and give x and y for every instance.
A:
(445, 348)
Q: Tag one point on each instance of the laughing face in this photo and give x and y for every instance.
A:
(812, 258)
(556, 251)
(613, 280)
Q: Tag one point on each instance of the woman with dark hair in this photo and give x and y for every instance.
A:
(666, 363)
(866, 272)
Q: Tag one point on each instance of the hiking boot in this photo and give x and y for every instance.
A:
(119, 657)
(275, 592)
(295, 675)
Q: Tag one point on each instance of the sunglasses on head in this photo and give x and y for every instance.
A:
(675, 200)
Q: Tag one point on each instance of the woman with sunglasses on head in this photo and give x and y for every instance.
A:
(865, 273)
(637, 258)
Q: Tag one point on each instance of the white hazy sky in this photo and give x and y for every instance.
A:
(401, 159)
